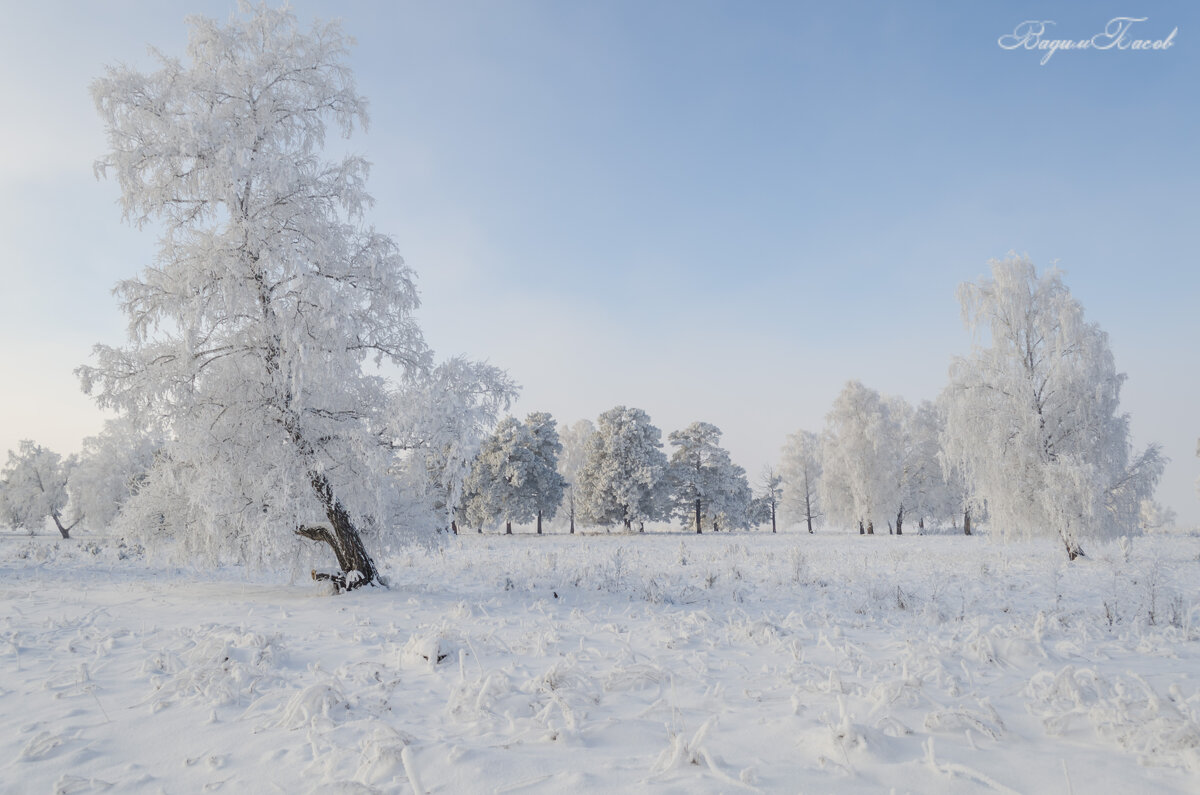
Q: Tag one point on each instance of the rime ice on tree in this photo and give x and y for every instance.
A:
(248, 334)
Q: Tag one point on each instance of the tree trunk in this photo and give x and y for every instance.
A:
(628, 525)
(507, 527)
(921, 524)
(66, 531)
(641, 527)
(900, 522)
(966, 521)
(357, 568)
(539, 532)
(861, 531)
(572, 521)
(454, 527)
(772, 517)
(697, 515)
(1073, 548)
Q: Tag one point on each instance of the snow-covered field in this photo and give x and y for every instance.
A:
(656, 663)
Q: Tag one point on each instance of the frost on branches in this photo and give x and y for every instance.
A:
(515, 477)
(111, 468)
(704, 480)
(570, 463)
(1033, 419)
(248, 334)
(443, 416)
(33, 487)
(801, 472)
(624, 474)
(862, 459)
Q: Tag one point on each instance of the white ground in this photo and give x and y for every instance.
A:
(657, 663)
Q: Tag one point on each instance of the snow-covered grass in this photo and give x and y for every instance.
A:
(656, 663)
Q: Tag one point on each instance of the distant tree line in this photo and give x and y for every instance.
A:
(614, 473)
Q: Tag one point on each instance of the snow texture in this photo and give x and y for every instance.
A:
(643, 663)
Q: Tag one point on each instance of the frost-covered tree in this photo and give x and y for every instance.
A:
(704, 481)
(248, 334)
(574, 453)
(515, 476)
(801, 472)
(770, 494)
(927, 494)
(33, 486)
(443, 416)
(1033, 418)
(902, 419)
(111, 468)
(623, 476)
(1155, 517)
(861, 459)
(544, 482)
(696, 467)
(959, 500)
(732, 505)
(495, 489)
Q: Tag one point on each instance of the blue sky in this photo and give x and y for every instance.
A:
(716, 211)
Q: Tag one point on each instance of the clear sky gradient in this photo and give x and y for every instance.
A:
(713, 211)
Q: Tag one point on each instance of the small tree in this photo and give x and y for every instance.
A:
(444, 416)
(1033, 418)
(34, 486)
(111, 469)
(575, 440)
(861, 458)
(801, 473)
(927, 493)
(697, 468)
(515, 477)
(623, 478)
(544, 481)
(732, 506)
(770, 485)
(497, 486)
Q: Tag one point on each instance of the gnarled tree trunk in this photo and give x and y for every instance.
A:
(357, 568)
(66, 531)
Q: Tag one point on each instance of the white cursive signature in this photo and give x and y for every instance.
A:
(1032, 35)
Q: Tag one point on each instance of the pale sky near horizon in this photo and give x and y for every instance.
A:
(713, 211)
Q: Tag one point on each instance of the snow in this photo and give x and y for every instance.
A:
(661, 662)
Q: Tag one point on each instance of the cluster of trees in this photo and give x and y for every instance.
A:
(256, 337)
(88, 488)
(250, 415)
(611, 473)
(1028, 430)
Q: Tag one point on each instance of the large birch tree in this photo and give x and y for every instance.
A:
(249, 333)
(1033, 413)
